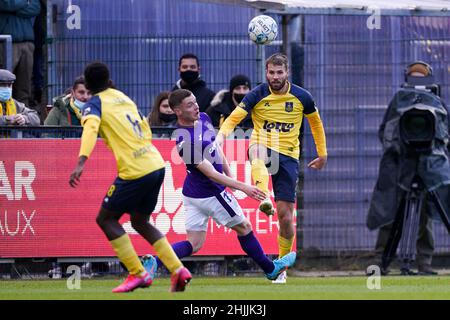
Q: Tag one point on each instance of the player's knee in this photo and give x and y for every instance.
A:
(246, 227)
(243, 228)
(138, 225)
(285, 220)
(196, 246)
(101, 221)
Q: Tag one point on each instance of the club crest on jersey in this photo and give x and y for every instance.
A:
(289, 106)
(86, 111)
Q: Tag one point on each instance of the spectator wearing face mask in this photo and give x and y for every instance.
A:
(190, 79)
(66, 109)
(225, 101)
(13, 112)
(161, 114)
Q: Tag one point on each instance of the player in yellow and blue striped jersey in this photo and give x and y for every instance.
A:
(277, 109)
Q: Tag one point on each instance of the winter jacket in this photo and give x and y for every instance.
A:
(221, 107)
(16, 18)
(203, 94)
(62, 113)
(31, 116)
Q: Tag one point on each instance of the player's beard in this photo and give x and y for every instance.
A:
(278, 85)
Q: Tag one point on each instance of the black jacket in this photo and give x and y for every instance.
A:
(397, 169)
(221, 107)
(203, 94)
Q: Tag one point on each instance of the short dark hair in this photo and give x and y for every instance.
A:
(278, 59)
(77, 81)
(176, 97)
(188, 56)
(96, 75)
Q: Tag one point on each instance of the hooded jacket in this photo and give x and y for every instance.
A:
(62, 113)
(203, 94)
(221, 107)
(397, 171)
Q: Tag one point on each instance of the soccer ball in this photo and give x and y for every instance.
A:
(262, 29)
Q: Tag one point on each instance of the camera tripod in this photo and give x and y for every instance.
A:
(405, 228)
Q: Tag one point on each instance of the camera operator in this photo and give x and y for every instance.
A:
(382, 210)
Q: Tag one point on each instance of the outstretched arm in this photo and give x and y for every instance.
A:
(208, 170)
(88, 140)
(318, 133)
(230, 123)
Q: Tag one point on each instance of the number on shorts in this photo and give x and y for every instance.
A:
(111, 190)
(227, 196)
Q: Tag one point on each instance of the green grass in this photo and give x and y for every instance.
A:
(237, 288)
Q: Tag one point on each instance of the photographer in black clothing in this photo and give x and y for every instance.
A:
(402, 164)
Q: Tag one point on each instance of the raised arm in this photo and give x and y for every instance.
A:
(88, 140)
(318, 133)
(230, 123)
(208, 170)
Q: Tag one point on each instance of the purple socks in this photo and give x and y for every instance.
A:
(253, 249)
(182, 249)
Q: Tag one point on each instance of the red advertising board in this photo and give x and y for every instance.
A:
(42, 216)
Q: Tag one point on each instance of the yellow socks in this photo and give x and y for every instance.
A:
(284, 245)
(260, 175)
(166, 254)
(126, 254)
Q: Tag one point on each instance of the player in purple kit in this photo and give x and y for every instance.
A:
(204, 194)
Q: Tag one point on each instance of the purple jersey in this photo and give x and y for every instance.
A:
(194, 144)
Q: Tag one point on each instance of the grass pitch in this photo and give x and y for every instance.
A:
(236, 288)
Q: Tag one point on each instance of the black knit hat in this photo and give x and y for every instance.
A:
(239, 80)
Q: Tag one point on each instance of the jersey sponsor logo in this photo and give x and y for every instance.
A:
(267, 104)
(277, 126)
(289, 106)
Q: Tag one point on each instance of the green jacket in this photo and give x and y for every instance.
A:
(16, 18)
(62, 114)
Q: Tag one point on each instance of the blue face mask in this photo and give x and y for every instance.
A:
(5, 94)
(78, 104)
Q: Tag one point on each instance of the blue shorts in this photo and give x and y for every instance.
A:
(139, 195)
(284, 180)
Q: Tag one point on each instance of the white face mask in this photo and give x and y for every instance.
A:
(79, 104)
(5, 94)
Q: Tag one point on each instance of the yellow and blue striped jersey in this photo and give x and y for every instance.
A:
(277, 118)
(124, 130)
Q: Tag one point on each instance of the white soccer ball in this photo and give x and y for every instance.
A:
(262, 29)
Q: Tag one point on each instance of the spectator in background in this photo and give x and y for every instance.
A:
(226, 101)
(189, 68)
(40, 32)
(161, 114)
(16, 19)
(13, 112)
(66, 109)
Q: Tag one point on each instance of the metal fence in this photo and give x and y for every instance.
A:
(350, 70)
(353, 73)
(143, 66)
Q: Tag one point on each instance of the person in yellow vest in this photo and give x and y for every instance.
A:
(13, 112)
(135, 191)
(277, 109)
